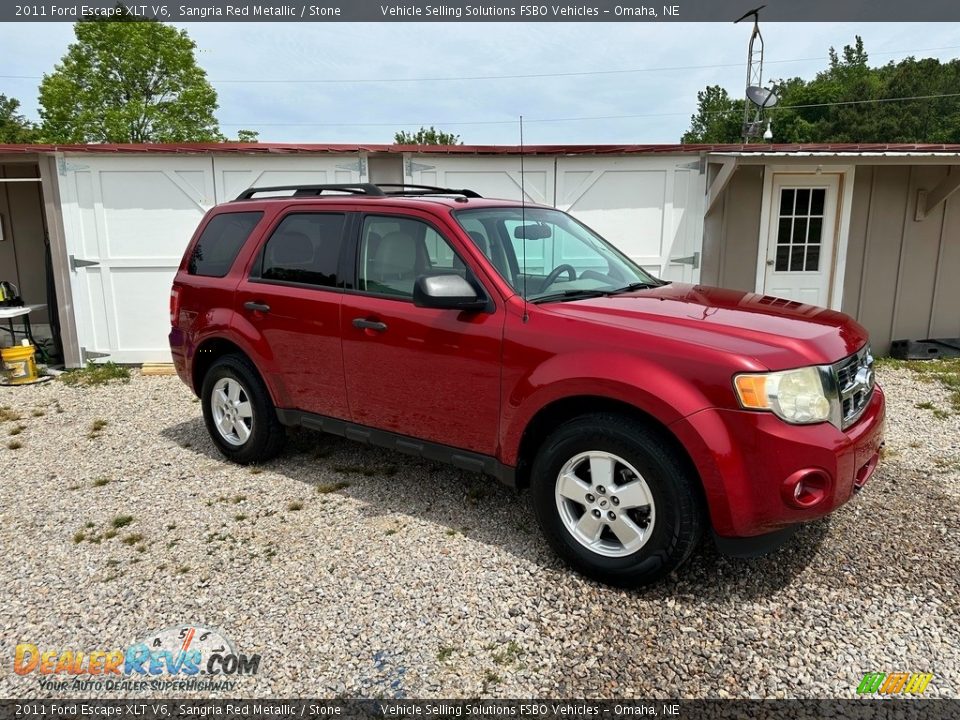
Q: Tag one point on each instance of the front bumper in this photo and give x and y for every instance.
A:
(761, 474)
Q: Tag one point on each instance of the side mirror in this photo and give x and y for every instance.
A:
(446, 292)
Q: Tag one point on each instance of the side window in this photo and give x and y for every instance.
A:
(305, 248)
(220, 243)
(395, 251)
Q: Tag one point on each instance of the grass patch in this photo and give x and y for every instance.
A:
(254, 470)
(121, 521)
(365, 470)
(101, 481)
(172, 526)
(79, 536)
(295, 506)
(73, 487)
(183, 569)
(925, 406)
(445, 653)
(239, 517)
(490, 678)
(37, 412)
(325, 488)
(95, 374)
(391, 531)
(96, 427)
(945, 372)
(14, 445)
(510, 653)
(132, 539)
(8, 414)
(110, 534)
(16, 429)
(237, 499)
(941, 414)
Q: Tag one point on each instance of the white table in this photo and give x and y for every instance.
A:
(8, 313)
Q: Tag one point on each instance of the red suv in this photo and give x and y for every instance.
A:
(512, 340)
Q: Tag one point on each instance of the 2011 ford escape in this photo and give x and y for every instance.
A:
(511, 339)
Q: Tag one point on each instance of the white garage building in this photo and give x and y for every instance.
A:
(119, 217)
(96, 232)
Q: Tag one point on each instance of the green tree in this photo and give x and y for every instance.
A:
(849, 101)
(719, 118)
(248, 136)
(14, 127)
(426, 136)
(124, 81)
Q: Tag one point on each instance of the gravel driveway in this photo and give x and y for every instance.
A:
(361, 572)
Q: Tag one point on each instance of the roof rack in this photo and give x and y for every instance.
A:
(315, 190)
(358, 189)
(426, 190)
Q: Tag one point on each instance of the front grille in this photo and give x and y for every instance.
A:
(855, 381)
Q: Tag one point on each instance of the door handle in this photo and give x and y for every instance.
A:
(258, 306)
(364, 324)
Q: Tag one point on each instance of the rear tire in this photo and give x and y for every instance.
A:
(239, 413)
(615, 501)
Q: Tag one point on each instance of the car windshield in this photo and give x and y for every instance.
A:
(548, 255)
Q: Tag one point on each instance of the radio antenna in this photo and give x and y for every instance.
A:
(523, 223)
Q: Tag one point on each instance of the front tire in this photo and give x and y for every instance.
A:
(615, 501)
(239, 413)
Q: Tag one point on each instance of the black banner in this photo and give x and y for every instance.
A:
(868, 709)
(481, 11)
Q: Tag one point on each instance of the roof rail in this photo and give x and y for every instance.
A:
(426, 190)
(315, 190)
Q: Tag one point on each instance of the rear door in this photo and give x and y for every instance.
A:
(291, 298)
(428, 373)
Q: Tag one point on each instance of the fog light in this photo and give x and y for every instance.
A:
(806, 489)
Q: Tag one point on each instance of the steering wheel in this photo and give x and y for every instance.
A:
(557, 272)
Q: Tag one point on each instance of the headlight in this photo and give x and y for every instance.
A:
(797, 396)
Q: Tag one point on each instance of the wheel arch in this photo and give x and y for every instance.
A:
(212, 349)
(562, 410)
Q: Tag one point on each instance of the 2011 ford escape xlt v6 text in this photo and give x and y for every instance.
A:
(512, 340)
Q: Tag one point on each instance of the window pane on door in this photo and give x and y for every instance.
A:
(305, 248)
(800, 229)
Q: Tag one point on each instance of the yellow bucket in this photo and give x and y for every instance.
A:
(19, 364)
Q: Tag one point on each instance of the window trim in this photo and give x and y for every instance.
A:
(470, 276)
(254, 273)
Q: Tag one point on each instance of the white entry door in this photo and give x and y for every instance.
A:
(801, 238)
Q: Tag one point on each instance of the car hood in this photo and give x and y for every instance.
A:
(777, 333)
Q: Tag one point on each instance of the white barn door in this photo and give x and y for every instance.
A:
(127, 222)
(650, 207)
(493, 177)
(236, 173)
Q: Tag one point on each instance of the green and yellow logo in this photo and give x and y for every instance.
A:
(893, 683)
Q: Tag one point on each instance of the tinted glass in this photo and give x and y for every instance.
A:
(220, 243)
(305, 248)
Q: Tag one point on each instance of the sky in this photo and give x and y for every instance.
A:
(262, 73)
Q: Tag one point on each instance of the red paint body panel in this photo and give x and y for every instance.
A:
(476, 380)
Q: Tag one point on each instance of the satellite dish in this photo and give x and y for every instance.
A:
(762, 97)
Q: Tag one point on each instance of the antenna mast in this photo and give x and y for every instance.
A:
(752, 128)
(523, 222)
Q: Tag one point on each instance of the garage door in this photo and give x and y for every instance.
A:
(649, 207)
(127, 222)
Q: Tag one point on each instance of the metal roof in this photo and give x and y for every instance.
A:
(773, 150)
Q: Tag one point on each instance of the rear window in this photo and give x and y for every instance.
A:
(220, 242)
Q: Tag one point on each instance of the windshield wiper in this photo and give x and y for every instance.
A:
(569, 295)
(633, 286)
